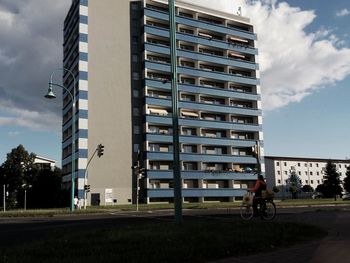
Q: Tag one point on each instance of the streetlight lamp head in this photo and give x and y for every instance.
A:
(50, 94)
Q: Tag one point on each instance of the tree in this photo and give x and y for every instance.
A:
(293, 184)
(331, 185)
(46, 191)
(307, 188)
(17, 171)
(346, 183)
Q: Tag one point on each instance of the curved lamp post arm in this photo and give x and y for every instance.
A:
(51, 95)
(51, 83)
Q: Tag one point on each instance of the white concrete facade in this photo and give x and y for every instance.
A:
(309, 170)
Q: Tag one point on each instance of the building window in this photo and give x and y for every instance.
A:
(136, 129)
(135, 93)
(135, 58)
(190, 166)
(285, 164)
(310, 173)
(136, 148)
(312, 181)
(134, 6)
(154, 147)
(299, 164)
(316, 164)
(317, 173)
(306, 181)
(278, 181)
(278, 172)
(135, 76)
(299, 173)
(305, 164)
(136, 111)
(135, 40)
(305, 172)
(285, 172)
(310, 164)
(277, 163)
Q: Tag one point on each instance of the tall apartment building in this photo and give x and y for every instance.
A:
(120, 53)
(311, 171)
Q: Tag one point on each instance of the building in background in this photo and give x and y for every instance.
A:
(120, 53)
(44, 163)
(311, 171)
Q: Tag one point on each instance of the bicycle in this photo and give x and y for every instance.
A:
(266, 209)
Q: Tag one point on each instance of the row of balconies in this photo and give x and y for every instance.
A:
(203, 132)
(203, 99)
(207, 83)
(202, 82)
(234, 40)
(202, 166)
(201, 49)
(201, 184)
(193, 114)
(203, 17)
(202, 65)
(203, 149)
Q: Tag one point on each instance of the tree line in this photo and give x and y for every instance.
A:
(20, 176)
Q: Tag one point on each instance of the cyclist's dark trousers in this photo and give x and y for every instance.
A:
(256, 201)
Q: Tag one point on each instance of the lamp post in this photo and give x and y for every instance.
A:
(51, 95)
(26, 187)
(176, 150)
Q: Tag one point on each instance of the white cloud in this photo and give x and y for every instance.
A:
(23, 118)
(293, 63)
(6, 17)
(343, 12)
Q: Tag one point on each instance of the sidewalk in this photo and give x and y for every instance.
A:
(333, 248)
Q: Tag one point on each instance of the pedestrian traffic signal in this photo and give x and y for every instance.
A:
(87, 188)
(100, 150)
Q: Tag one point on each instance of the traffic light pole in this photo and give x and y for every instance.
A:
(99, 150)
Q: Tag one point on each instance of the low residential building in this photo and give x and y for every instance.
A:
(44, 163)
(311, 171)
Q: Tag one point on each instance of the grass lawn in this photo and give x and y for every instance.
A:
(145, 207)
(196, 240)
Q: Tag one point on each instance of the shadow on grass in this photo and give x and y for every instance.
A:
(196, 240)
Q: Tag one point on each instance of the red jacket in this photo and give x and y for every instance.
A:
(258, 188)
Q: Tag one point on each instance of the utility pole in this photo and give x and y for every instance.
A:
(176, 150)
(4, 198)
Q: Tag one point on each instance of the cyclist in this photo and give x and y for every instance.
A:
(260, 185)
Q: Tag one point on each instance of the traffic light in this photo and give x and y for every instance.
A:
(87, 188)
(100, 150)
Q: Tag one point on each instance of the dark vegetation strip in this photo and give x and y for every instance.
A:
(196, 240)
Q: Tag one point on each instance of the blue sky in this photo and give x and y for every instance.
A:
(304, 49)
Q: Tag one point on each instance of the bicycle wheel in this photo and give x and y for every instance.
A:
(246, 212)
(268, 211)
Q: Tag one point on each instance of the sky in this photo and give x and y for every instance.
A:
(304, 59)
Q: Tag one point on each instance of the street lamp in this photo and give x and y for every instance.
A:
(51, 95)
